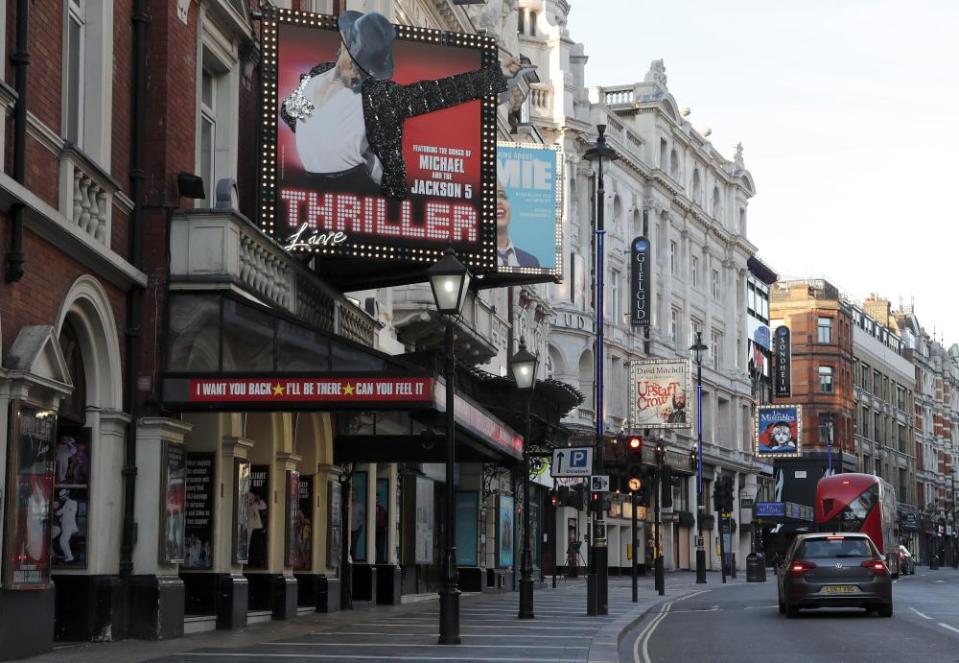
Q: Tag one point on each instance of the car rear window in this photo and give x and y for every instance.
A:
(834, 547)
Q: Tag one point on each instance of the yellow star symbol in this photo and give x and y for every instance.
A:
(278, 390)
(348, 390)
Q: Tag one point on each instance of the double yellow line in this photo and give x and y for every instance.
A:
(647, 632)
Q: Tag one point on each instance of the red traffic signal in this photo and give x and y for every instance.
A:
(553, 498)
(634, 443)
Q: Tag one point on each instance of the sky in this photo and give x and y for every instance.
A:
(848, 112)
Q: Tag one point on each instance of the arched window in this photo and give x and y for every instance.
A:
(674, 164)
(697, 187)
(742, 220)
(717, 207)
(73, 408)
(586, 378)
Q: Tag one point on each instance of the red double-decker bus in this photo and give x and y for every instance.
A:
(860, 503)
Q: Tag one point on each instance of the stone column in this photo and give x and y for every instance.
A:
(157, 593)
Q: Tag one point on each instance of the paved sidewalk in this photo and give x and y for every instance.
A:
(488, 625)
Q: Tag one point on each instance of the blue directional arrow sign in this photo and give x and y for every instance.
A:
(572, 462)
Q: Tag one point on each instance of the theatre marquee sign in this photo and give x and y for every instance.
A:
(378, 139)
(272, 392)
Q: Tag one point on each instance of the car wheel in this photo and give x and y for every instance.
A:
(885, 610)
(791, 611)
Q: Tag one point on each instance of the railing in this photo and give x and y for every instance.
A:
(616, 96)
(541, 99)
(221, 246)
(86, 195)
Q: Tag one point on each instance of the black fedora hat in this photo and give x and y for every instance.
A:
(369, 40)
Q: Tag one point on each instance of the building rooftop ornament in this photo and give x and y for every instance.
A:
(656, 74)
(738, 157)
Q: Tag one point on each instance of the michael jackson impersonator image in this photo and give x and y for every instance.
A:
(348, 115)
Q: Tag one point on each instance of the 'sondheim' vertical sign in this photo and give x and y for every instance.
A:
(639, 282)
(782, 353)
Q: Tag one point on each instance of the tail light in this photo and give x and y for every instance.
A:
(877, 566)
(799, 568)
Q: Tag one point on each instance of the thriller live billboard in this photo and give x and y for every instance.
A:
(378, 139)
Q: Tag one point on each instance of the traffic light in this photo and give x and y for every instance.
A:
(666, 487)
(645, 491)
(634, 462)
(553, 499)
(723, 494)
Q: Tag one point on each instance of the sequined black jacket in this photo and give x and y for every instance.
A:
(386, 105)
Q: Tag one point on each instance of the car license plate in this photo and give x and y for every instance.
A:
(840, 589)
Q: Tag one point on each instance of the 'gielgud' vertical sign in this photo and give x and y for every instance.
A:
(639, 260)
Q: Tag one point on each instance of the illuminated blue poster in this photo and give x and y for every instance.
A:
(778, 430)
(467, 521)
(505, 531)
(528, 208)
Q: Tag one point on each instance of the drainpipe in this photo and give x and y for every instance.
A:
(13, 257)
(135, 296)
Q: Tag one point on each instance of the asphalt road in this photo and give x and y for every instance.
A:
(742, 623)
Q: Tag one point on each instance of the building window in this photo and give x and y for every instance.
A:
(521, 21)
(662, 153)
(207, 131)
(695, 327)
(716, 349)
(715, 286)
(532, 24)
(825, 379)
(864, 373)
(673, 258)
(864, 422)
(876, 382)
(615, 308)
(824, 330)
(875, 426)
(73, 70)
(674, 326)
(217, 126)
(694, 271)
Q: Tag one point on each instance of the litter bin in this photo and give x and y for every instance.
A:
(755, 567)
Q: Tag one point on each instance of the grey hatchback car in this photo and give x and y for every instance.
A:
(843, 569)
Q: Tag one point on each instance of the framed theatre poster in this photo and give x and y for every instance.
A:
(173, 506)
(529, 208)
(467, 528)
(505, 530)
(380, 141)
(258, 516)
(382, 518)
(660, 394)
(424, 520)
(778, 431)
(29, 493)
(304, 524)
(71, 491)
(358, 502)
(242, 512)
(198, 531)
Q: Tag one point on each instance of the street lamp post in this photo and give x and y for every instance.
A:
(828, 432)
(449, 280)
(698, 348)
(523, 366)
(596, 588)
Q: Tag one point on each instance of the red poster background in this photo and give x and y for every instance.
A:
(301, 48)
